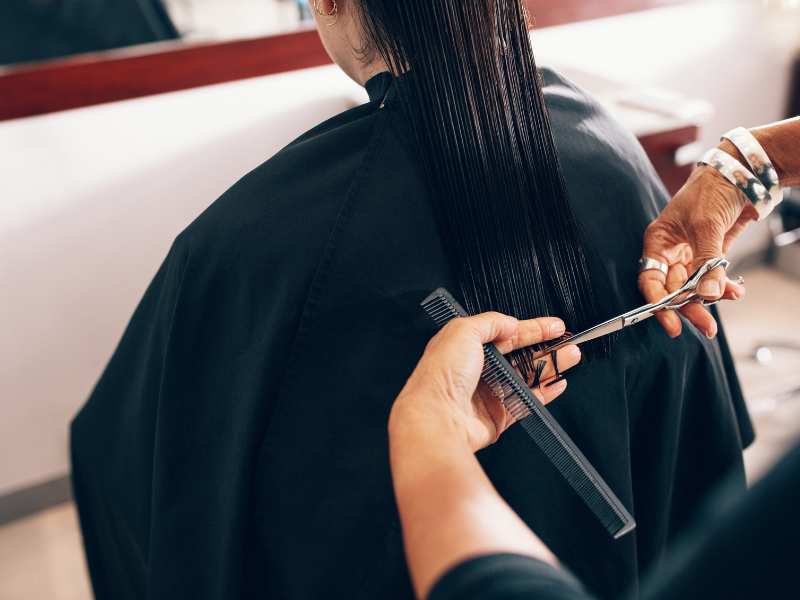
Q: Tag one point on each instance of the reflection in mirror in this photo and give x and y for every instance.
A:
(217, 19)
(35, 30)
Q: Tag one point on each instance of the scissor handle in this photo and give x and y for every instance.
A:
(693, 299)
(680, 297)
(676, 300)
(709, 265)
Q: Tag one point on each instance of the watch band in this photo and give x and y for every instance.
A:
(760, 164)
(741, 177)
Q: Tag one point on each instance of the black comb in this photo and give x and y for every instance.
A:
(522, 404)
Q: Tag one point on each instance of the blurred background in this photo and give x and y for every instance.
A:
(121, 121)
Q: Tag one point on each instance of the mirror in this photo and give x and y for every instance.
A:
(38, 30)
(133, 48)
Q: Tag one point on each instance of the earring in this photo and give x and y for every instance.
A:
(331, 13)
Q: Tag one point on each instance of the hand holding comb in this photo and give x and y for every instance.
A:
(545, 431)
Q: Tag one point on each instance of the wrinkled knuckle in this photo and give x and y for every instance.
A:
(705, 232)
(536, 329)
(662, 233)
(454, 327)
(434, 341)
(654, 228)
(644, 282)
(701, 221)
(654, 232)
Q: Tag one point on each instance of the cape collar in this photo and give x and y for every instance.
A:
(378, 85)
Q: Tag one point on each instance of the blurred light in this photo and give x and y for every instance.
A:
(785, 4)
(763, 355)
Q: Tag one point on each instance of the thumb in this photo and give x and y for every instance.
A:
(706, 247)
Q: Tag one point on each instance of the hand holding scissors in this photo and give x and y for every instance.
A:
(680, 298)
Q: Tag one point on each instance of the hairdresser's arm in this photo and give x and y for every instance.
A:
(448, 508)
(702, 221)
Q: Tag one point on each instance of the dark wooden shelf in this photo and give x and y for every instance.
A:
(662, 147)
(793, 109)
(91, 79)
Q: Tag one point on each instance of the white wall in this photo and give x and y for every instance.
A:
(89, 202)
(733, 53)
(90, 199)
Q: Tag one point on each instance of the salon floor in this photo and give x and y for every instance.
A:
(41, 559)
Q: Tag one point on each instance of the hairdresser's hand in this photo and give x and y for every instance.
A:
(443, 395)
(700, 223)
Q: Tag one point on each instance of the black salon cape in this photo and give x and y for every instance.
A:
(741, 546)
(236, 445)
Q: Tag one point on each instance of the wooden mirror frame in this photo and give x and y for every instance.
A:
(90, 79)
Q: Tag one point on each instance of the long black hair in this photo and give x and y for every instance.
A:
(473, 92)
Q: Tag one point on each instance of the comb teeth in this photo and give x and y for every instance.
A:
(545, 431)
(441, 309)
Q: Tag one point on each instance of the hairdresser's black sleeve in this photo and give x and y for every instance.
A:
(507, 577)
(742, 545)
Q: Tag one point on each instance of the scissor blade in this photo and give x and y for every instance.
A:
(675, 300)
(610, 326)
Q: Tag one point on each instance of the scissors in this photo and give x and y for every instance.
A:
(677, 299)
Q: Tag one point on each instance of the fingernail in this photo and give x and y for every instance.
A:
(709, 288)
(557, 328)
(557, 386)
